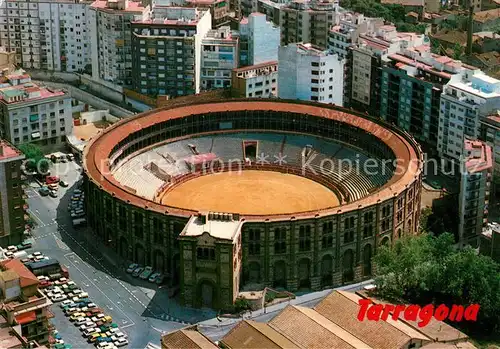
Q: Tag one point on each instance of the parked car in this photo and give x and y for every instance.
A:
(44, 191)
(120, 342)
(53, 186)
(26, 244)
(58, 298)
(63, 184)
(65, 303)
(153, 277)
(132, 267)
(12, 248)
(160, 279)
(80, 321)
(90, 331)
(53, 193)
(52, 179)
(137, 271)
(87, 325)
(146, 273)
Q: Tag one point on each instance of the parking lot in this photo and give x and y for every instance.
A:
(141, 309)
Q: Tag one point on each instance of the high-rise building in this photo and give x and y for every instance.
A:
(308, 21)
(346, 33)
(259, 80)
(308, 73)
(33, 113)
(24, 305)
(465, 99)
(167, 51)
(11, 195)
(412, 83)
(363, 68)
(475, 180)
(490, 133)
(259, 40)
(111, 39)
(51, 35)
(220, 55)
(272, 9)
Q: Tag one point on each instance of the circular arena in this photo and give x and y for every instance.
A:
(247, 194)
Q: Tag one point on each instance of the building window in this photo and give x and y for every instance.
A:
(279, 240)
(327, 239)
(304, 238)
(205, 253)
(254, 242)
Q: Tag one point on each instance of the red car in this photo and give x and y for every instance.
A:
(44, 284)
(52, 179)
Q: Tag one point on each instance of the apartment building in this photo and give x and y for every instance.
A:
(363, 68)
(220, 55)
(219, 9)
(465, 100)
(412, 83)
(24, 305)
(489, 244)
(309, 73)
(259, 80)
(490, 133)
(308, 21)
(11, 195)
(346, 33)
(272, 9)
(476, 172)
(259, 40)
(33, 113)
(167, 51)
(111, 39)
(51, 35)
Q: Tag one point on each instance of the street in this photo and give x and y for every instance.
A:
(141, 309)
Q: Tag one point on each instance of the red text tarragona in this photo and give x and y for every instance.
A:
(376, 312)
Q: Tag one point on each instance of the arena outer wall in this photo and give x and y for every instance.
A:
(341, 240)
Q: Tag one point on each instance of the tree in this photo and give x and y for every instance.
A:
(425, 269)
(35, 158)
(458, 51)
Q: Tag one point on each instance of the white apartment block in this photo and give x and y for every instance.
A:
(465, 100)
(33, 113)
(259, 81)
(475, 182)
(111, 39)
(308, 21)
(308, 73)
(347, 32)
(49, 35)
(220, 55)
(259, 40)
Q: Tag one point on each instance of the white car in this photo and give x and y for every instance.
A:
(91, 305)
(89, 331)
(12, 248)
(58, 298)
(120, 342)
(87, 325)
(120, 334)
(38, 258)
(54, 293)
(114, 330)
(80, 321)
(106, 345)
(100, 316)
(65, 303)
(43, 278)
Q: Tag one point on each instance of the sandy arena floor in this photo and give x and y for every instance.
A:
(251, 192)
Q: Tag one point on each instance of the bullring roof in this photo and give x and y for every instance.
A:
(97, 153)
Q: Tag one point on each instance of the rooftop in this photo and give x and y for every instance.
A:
(186, 338)
(249, 334)
(27, 278)
(131, 6)
(485, 16)
(172, 15)
(8, 151)
(22, 90)
(404, 2)
(478, 156)
(481, 85)
(8, 340)
(226, 228)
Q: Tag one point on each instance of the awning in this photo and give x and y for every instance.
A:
(25, 318)
(35, 135)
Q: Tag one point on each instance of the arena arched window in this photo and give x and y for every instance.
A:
(327, 235)
(305, 238)
(279, 240)
(254, 242)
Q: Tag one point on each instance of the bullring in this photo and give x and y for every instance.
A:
(140, 171)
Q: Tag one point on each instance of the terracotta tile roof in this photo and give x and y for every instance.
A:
(27, 278)
(461, 345)
(250, 334)
(186, 339)
(342, 309)
(309, 329)
(485, 16)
